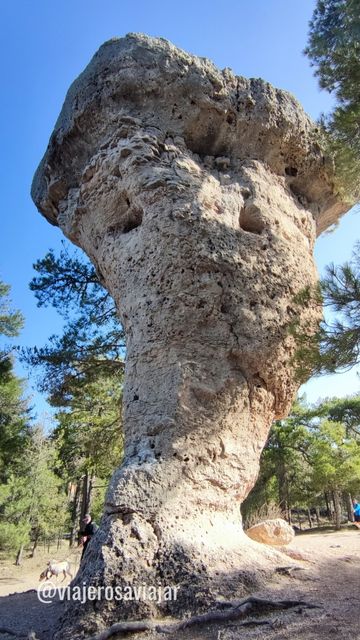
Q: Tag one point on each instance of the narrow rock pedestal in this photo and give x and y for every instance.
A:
(197, 195)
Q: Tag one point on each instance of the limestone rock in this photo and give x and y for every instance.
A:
(197, 194)
(275, 532)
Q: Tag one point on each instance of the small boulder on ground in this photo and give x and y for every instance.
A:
(275, 532)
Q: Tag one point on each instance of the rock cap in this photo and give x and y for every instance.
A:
(214, 112)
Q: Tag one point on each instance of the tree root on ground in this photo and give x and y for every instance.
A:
(226, 612)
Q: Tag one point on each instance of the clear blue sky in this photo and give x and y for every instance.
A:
(45, 45)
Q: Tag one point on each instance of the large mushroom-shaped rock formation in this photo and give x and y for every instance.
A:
(197, 194)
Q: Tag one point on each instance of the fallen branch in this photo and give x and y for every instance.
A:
(233, 611)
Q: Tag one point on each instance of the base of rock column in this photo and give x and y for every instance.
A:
(138, 575)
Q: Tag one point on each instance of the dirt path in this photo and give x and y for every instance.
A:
(331, 580)
(20, 609)
(18, 579)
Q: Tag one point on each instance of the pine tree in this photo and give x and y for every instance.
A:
(14, 412)
(312, 453)
(335, 461)
(334, 50)
(92, 342)
(335, 346)
(32, 500)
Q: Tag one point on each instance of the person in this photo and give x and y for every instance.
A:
(89, 530)
(356, 509)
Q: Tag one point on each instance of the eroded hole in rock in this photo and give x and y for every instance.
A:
(250, 220)
(299, 196)
(132, 219)
(245, 192)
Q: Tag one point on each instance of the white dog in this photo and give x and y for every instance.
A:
(55, 568)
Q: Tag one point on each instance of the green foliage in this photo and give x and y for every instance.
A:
(340, 340)
(82, 373)
(335, 346)
(334, 457)
(10, 321)
(97, 503)
(14, 423)
(312, 451)
(14, 413)
(334, 50)
(13, 536)
(284, 468)
(32, 500)
(88, 435)
(10, 324)
(344, 410)
(92, 343)
(334, 47)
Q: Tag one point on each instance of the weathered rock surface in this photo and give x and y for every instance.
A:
(197, 195)
(275, 532)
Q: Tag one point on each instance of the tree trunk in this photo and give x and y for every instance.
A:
(349, 507)
(289, 516)
(19, 556)
(317, 511)
(337, 508)
(329, 507)
(36, 540)
(87, 483)
(75, 517)
(309, 518)
(84, 495)
(283, 486)
(191, 216)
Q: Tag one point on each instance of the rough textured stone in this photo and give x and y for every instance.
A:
(275, 532)
(197, 195)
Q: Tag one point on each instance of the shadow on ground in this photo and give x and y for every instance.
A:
(23, 612)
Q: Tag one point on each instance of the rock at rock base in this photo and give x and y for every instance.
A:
(275, 532)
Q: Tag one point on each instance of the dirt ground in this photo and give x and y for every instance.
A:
(20, 609)
(331, 581)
